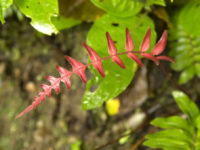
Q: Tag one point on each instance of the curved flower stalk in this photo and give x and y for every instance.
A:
(96, 61)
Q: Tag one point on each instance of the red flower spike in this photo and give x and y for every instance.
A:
(151, 57)
(112, 50)
(146, 41)
(78, 68)
(55, 83)
(118, 61)
(129, 41)
(65, 76)
(96, 60)
(136, 59)
(160, 46)
(166, 58)
(41, 95)
(47, 89)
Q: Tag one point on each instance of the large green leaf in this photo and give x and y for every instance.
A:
(4, 5)
(179, 133)
(173, 122)
(120, 8)
(116, 79)
(172, 134)
(41, 13)
(186, 105)
(185, 41)
(166, 143)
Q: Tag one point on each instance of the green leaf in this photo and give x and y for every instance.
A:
(62, 23)
(172, 122)
(43, 14)
(186, 105)
(187, 75)
(116, 79)
(4, 5)
(157, 2)
(172, 134)
(120, 8)
(166, 144)
(40, 12)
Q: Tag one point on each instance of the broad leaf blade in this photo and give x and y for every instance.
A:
(172, 122)
(172, 134)
(166, 144)
(116, 79)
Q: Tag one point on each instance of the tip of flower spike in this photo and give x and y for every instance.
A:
(112, 50)
(129, 41)
(146, 41)
(24, 112)
(160, 46)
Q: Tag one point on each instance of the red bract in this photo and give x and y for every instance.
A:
(79, 68)
(129, 41)
(96, 60)
(146, 41)
(160, 46)
(65, 76)
(112, 50)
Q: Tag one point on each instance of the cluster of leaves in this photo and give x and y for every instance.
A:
(178, 133)
(96, 61)
(185, 42)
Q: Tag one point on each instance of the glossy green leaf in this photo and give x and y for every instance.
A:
(62, 23)
(4, 5)
(186, 105)
(120, 8)
(172, 122)
(43, 14)
(40, 12)
(116, 79)
(166, 144)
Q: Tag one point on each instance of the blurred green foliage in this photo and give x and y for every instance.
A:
(185, 41)
(178, 133)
